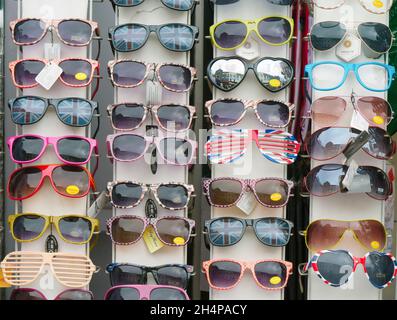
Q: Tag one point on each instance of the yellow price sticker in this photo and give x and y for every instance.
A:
(275, 83)
(276, 196)
(375, 244)
(378, 120)
(378, 3)
(3, 283)
(152, 242)
(179, 241)
(72, 189)
(275, 280)
(81, 76)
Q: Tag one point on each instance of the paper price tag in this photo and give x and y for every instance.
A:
(250, 50)
(247, 203)
(49, 75)
(359, 122)
(3, 283)
(52, 51)
(351, 172)
(152, 242)
(99, 204)
(349, 49)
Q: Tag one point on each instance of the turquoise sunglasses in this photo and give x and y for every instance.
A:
(340, 71)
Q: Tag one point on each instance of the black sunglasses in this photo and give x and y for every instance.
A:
(179, 5)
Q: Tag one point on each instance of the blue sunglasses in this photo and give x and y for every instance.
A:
(340, 71)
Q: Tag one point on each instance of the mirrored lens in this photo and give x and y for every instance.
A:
(126, 194)
(224, 192)
(380, 144)
(166, 294)
(176, 36)
(123, 294)
(272, 275)
(225, 231)
(176, 151)
(224, 274)
(129, 37)
(173, 231)
(325, 180)
(173, 196)
(126, 274)
(175, 78)
(26, 71)
(71, 181)
(326, 111)
(326, 35)
(172, 276)
(27, 110)
(28, 227)
(76, 229)
(273, 113)
(27, 148)
(174, 117)
(75, 111)
(226, 74)
(335, 267)
(230, 34)
(29, 31)
(126, 230)
(23, 182)
(274, 74)
(76, 72)
(276, 30)
(75, 32)
(272, 192)
(182, 5)
(380, 269)
(128, 73)
(128, 147)
(274, 232)
(73, 149)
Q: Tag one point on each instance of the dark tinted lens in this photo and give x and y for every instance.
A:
(224, 192)
(24, 182)
(76, 72)
(230, 34)
(282, 2)
(174, 117)
(129, 37)
(75, 229)
(378, 182)
(274, 74)
(28, 227)
(26, 294)
(126, 194)
(335, 267)
(72, 181)
(26, 71)
(75, 294)
(74, 150)
(224, 274)
(273, 113)
(123, 294)
(127, 3)
(226, 74)
(29, 31)
(273, 231)
(75, 32)
(325, 180)
(326, 35)
(176, 36)
(173, 196)
(127, 274)
(182, 5)
(376, 36)
(176, 151)
(126, 230)
(127, 115)
(172, 276)
(275, 30)
(128, 73)
(173, 231)
(224, 2)
(272, 192)
(128, 147)
(225, 231)
(75, 112)
(166, 294)
(226, 112)
(271, 275)
(380, 144)
(27, 110)
(380, 269)
(27, 148)
(175, 78)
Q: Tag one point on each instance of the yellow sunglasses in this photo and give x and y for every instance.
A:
(232, 34)
(75, 229)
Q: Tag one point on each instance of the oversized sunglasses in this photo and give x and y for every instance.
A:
(72, 228)
(336, 267)
(277, 2)
(327, 233)
(77, 72)
(27, 294)
(326, 180)
(129, 194)
(21, 268)
(177, 275)
(72, 32)
(225, 274)
(331, 75)
(228, 231)
(327, 111)
(329, 142)
(232, 34)
(226, 146)
(170, 230)
(227, 73)
(129, 37)
(179, 5)
(228, 112)
(29, 148)
(131, 73)
(67, 180)
(72, 111)
(127, 147)
(328, 34)
(369, 5)
(170, 117)
(227, 192)
(145, 292)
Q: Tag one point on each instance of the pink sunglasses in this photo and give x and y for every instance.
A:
(33, 294)
(145, 292)
(69, 149)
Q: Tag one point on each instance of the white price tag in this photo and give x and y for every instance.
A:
(52, 51)
(250, 50)
(247, 203)
(349, 49)
(49, 75)
(359, 122)
(351, 172)
(98, 205)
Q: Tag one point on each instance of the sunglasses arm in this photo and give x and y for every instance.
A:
(302, 270)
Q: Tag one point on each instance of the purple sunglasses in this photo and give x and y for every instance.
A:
(146, 292)
(33, 294)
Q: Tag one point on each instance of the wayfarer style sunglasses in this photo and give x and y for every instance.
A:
(34, 294)
(369, 5)
(146, 292)
(178, 5)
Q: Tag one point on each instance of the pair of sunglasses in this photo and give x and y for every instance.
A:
(71, 111)
(233, 33)
(129, 37)
(67, 180)
(170, 117)
(227, 192)
(336, 267)
(29, 148)
(72, 32)
(77, 72)
(176, 275)
(27, 294)
(178, 5)
(278, 2)
(228, 231)
(369, 5)
(227, 112)
(225, 274)
(126, 147)
(331, 75)
(146, 292)
(173, 77)
(129, 194)
(326, 180)
(75, 229)
(329, 142)
(227, 73)
(170, 230)
(227, 146)
(326, 233)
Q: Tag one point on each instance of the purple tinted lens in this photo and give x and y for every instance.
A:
(230, 34)
(128, 116)
(76, 72)
(123, 294)
(126, 194)
(273, 113)
(29, 31)
(128, 73)
(126, 230)
(271, 274)
(27, 148)
(275, 30)
(128, 147)
(224, 274)
(28, 227)
(127, 274)
(75, 32)
(75, 294)
(129, 37)
(175, 78)
(380, 145)
(174, 117)
(75, 229)
(26, 294)
(173, 195)
(166, 294)
(172, 276)
(325, 180)
(26, 71)
(176, 150)
(226, 112)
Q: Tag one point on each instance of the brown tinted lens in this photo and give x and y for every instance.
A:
(272, 192)
(71, 181)
(126, 230)
(370, 233)
(375, 110)
(327, 111)
(224, 192)
(23, 182)
(173, 231)
(324, 234)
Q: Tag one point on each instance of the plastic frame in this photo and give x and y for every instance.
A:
(194, 3)
(145, 290)
(361, 2)
(58, 297)
(270, 1)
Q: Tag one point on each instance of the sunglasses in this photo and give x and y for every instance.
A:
(327, 111)
(226, 146)
(176, 275)
(74, 229)
(170, 230)
(130, 74)
(179, 5)
(274, 74)
(21, 268)
(29, 148)
(329, 34)
(225, 274)
(227, 192)
(329, 142)
(228, 231)
(278, 2)
(77, 72)
(72, 111)
(34, 294)
(127, 147)
(232, 34)
(145, 292)
(129, 37)
(369, 5)
(336, 267)
(170, 117)
(72, 32)
(326, 180)
(227, 112)
(380, 80)
(67, 180)
(129, 194)
(327, 233)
